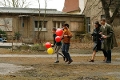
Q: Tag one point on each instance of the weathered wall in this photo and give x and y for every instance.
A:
(47, 35)
(93, 9)
(26, 25)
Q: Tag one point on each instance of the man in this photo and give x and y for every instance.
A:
(66, 43)
(106, 32)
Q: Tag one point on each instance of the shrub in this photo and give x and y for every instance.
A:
(87, 37)
(35, 47)
(3, 33)
(17, 35)
(25, 47)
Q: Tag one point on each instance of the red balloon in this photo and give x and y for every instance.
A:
(47, 44)
(59, 32)
(58, 39)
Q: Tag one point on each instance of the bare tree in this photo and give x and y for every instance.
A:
(15, 3)
(43, 21)
(111, 5)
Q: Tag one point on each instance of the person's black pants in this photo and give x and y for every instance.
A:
(107, 54)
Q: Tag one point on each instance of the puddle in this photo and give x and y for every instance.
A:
(6, 68)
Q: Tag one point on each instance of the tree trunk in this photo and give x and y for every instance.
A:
(106, 10)
(115, 12)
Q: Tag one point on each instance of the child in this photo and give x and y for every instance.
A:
(57, 46)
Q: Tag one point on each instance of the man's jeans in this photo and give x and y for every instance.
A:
(65, 49)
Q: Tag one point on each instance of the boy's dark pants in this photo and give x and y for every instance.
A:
(65, 49)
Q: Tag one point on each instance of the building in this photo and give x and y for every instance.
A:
(26, 22)
(71, 6)
(94, 12)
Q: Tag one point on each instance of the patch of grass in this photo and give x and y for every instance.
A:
(24, 47)
(35, 47)
(38, 47)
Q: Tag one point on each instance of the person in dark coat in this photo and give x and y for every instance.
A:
(108, 42)
(96, 40)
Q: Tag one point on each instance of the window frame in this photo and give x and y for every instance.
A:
(6, 24)
(44, 28)
(58, 24)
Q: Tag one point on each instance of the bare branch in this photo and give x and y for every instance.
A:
(9, 3)
(106, 9)
(15, 3)
(115, 12)
(96, 15)
(110, 3)
(2, 4)
(27, 5)
(5, 3)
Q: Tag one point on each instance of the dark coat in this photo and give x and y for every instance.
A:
(56, 43)
(96, 39)
(109, 42)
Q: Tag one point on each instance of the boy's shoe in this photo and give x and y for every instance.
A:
(64, 58)
(70, 61)
(56, 62)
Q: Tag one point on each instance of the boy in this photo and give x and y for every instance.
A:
(57, 46)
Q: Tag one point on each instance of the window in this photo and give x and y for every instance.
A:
(40, 24)
(58, 24)
(88, 24)
(6, 24)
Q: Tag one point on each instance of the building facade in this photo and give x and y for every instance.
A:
(94, 12)
(27, 20)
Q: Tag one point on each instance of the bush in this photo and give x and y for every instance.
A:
(87, 37)
(17, 35)
(3, 34)
(25, 47)
(35, 47)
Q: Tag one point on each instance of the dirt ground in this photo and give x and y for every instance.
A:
(44, 68)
